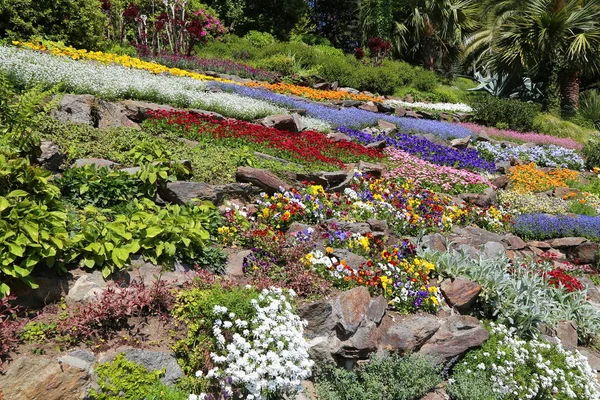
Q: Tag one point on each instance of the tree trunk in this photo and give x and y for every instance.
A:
(551, 88)
(569, 92)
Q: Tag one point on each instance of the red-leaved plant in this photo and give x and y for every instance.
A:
(9, 327)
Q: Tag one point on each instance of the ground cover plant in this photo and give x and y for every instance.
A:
(421, 173)
(448, 107)
(543, 226)
(393, 377)
(304, 147)
(528, 178)
(508, 367)
(543, 156)
(426, 149)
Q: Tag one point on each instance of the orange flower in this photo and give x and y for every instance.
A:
(528, 178)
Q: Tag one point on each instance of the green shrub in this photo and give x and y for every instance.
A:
(582, 209)
(591, 152)
(260, 39)
(283, 64)
(383, 79)
(398, 378)
(124, 379)
(312, 39)
(589, 107)
(32, 221)
(340, 69)
(304, 55)
(516, 114)
(425, 80)
(121, 49)
(554, 126)
(79, 23)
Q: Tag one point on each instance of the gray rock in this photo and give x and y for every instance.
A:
(51, 157)
(493, 249)
(98, 162)
(81, 359)
(460, 143)
(435, 242)
(183, 192)
(75, 108)
(282, 122)
(458, 334)
(262, 178)
(235, 263)
(406, 334)
(156, 360)
(139, 111)
(319, 318)
(585, 253)
(86, 288)
(353, 260)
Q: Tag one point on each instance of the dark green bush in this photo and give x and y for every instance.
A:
(591, 152)
(394, 377)
(304, 54)
(513, 114)
(340, 69)
(425, 80)
(383, 79)
(79, 23)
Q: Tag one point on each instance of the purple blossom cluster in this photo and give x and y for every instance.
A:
(426, 150)
(546, 226)
(544, 156)
(214, 64)
(352, 117)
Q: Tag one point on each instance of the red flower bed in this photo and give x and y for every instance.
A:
(305, 146)
(557, 277)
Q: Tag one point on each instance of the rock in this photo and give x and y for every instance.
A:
(408, 98)
(493, 249)
(377, 309)
(183, 192)
(460, 293)
(426, 114)
(51, 157)
(585, 253)
(81, 359)
(406, 334)
(514, 242)
(412, 114)
(566, 331)
(352, 260)
(369, 106)
(308, 391)
(361, 228)
(350, 309)
(460, 143)
(501, 182)
(322, 86)
(479, 199)
(380, 144)
(235, 263)
(139, 111)
(593, 293)
(327, 180)
(348, 90)
(435, 242)
(351, 103)
(538, 244)
(111, 115)
(299, 111)
(75, 108)
(473, 236)
(456, 336)
(211, 114)
(373, 169)
(378, 225)
(156, 360)
(567, 242)
(401, 112)
(562, 192)
(98, 162)
(51, 289)
(339, 137)
(34, 377)
(282, 122)
(321, 348)
(262, 178)
(592, 356)
(319, 318)
(86, 288)
(298, 122)
(385, 125)
(384, 108)
(503, 167)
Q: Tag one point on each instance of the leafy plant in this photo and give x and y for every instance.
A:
(591, 151)
(589, 106)
(393, 377)
(518, 115)
(38, 332)
(124, 379)
(9, 327)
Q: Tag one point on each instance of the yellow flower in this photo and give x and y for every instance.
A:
(329, 249)
(265, 212)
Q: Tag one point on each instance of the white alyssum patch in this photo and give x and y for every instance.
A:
(264, 356)
(514, 355)
(29, 67)
(451, 107)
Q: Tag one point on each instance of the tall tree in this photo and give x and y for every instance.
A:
(554, 41)
(337, 20)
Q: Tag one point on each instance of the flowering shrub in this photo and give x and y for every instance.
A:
(513, 368)
(527, 178)
(424, 174)
(528, 137)
(249, 344)
(307, 146)
(214, 64)
(426, 149)
(544, 156)
(544, 226)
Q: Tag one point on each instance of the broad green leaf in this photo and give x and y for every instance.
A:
(31, 230)
(4, 204)
(153, 231)
(18, 193)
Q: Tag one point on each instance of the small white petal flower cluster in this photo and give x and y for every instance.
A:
(514, 355)
(451, 107)
(266, 355)
(32, 67)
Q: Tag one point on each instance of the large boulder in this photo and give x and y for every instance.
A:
(75, 108)
(460, 293)
(406, 334)
(284, 122)
(182, 192)
(51, 157)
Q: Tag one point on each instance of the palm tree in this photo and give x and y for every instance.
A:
(555, 41)
(433, 29)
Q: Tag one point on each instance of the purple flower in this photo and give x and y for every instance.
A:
(545, 226)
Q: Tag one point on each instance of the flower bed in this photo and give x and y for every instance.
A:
(426, 149)
(449, 107)
(544, 226)
(529, 203)
(219, 65)
(310, 93)
(520, 137)
(350, 117)
(426, 175)
(303, 147)
(544, 156)
(527, 178)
